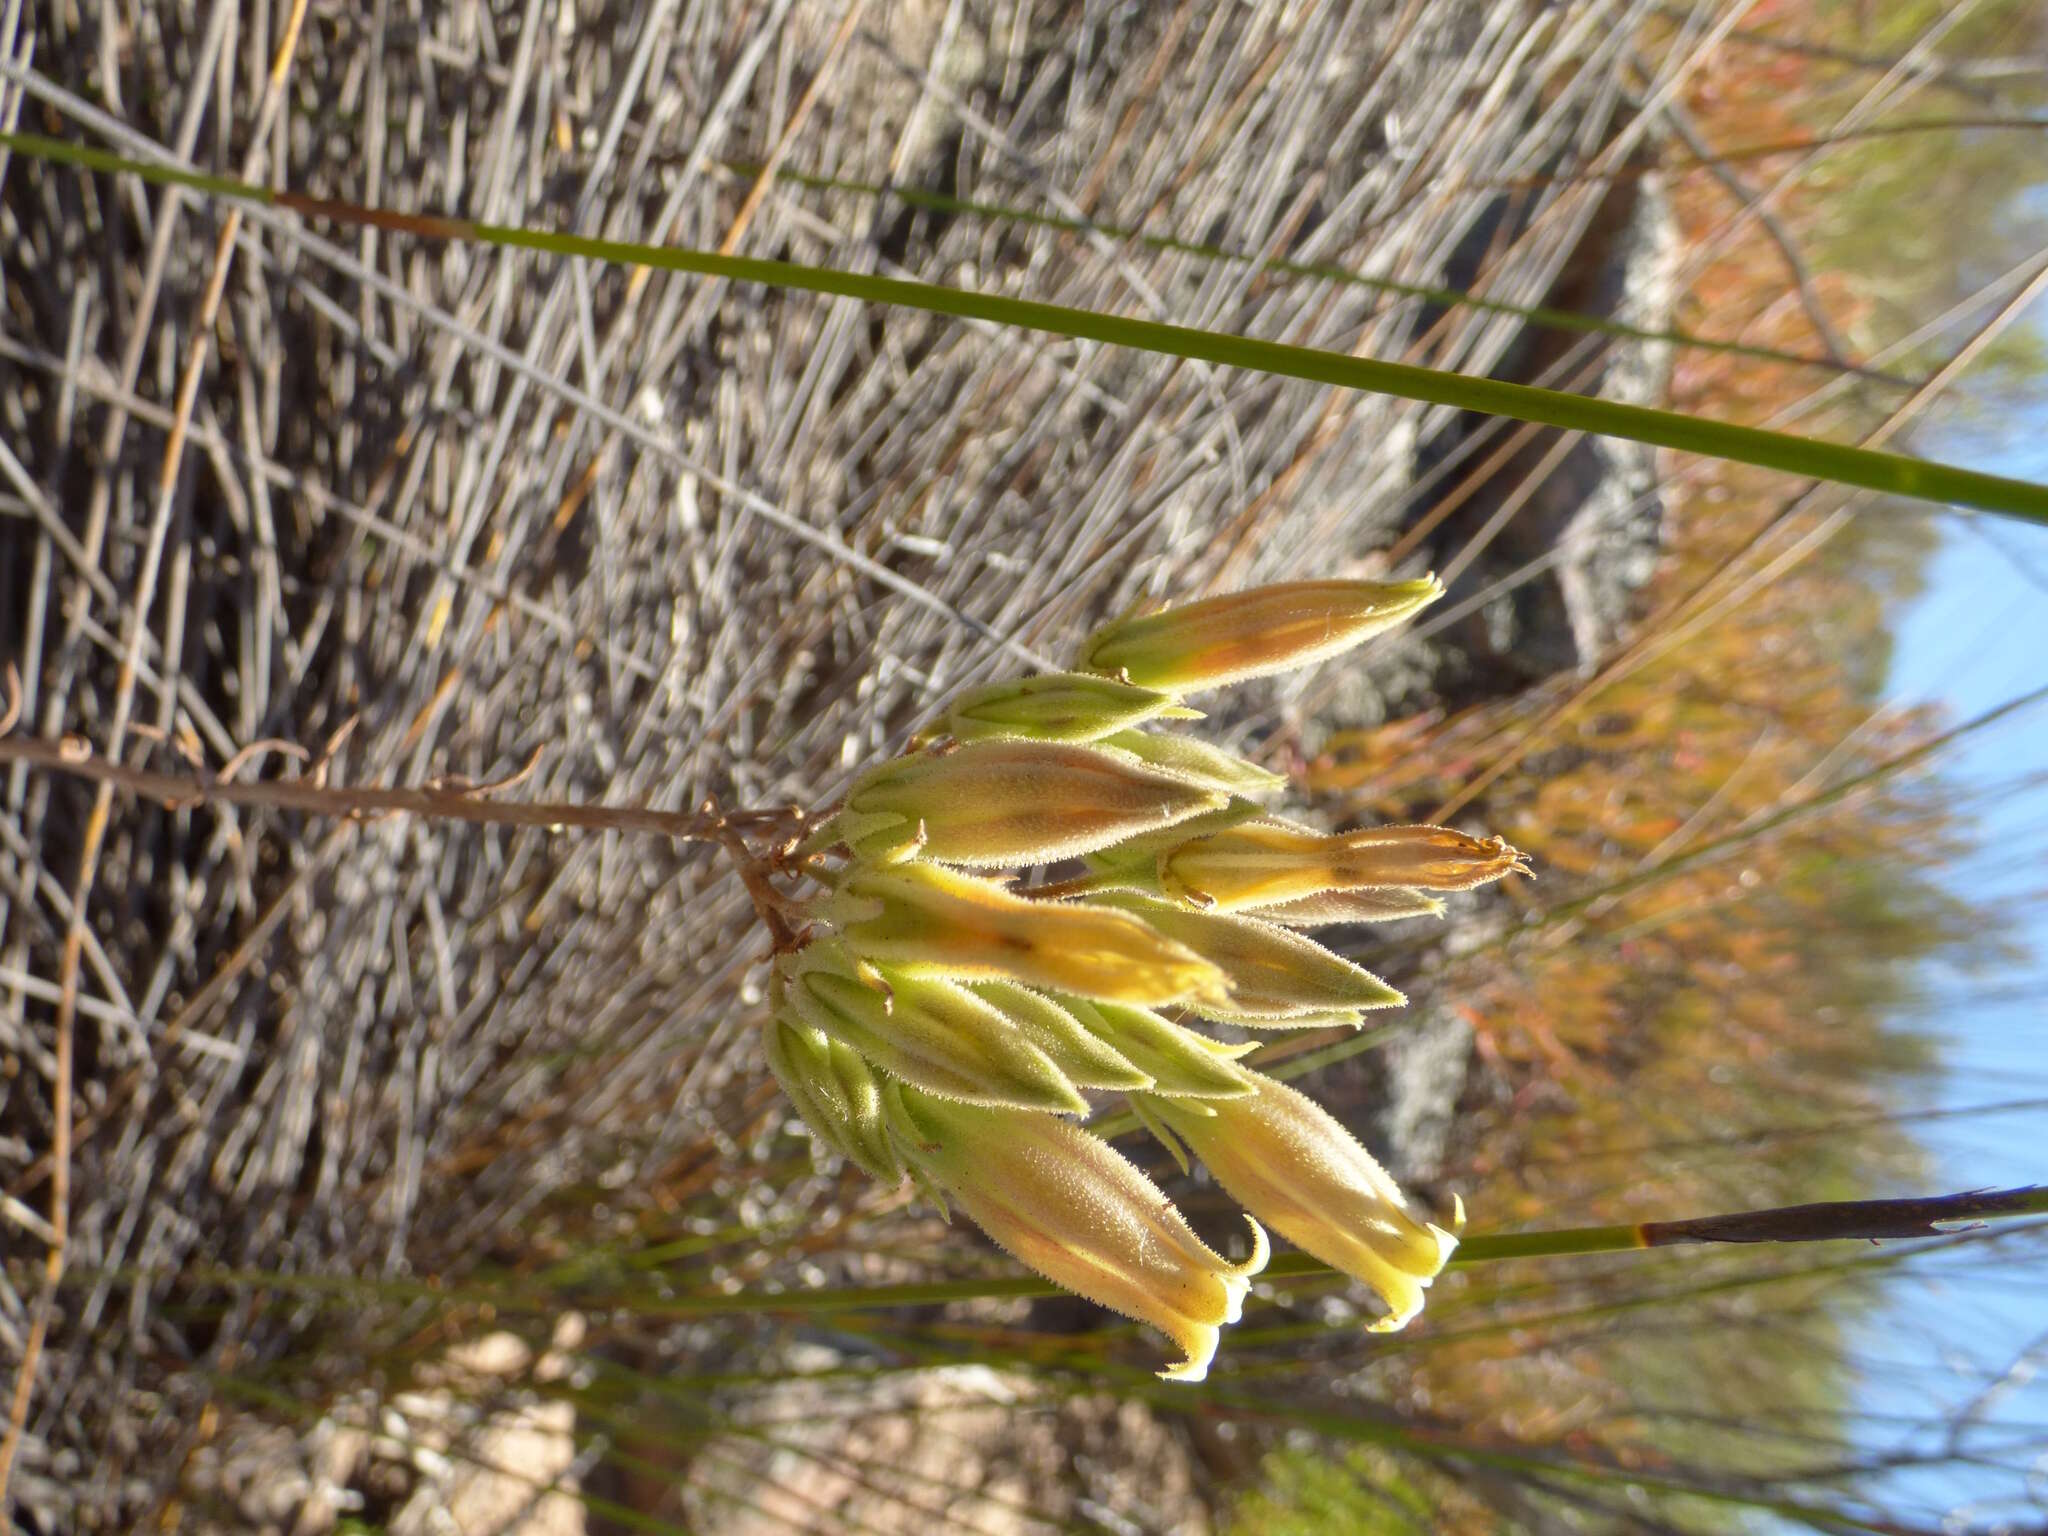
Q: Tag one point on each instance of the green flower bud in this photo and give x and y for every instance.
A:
(1061, 706)
(1198, 762)
(1087, 1060)
(834, 1092)
(932, 1033)
(1179, 1061)
(1276, 977)
(927, 921)
(1252, 633)
(994, 803)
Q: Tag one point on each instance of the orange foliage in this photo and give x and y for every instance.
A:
(1718, 997)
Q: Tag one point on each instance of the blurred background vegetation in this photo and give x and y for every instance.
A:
(425, 1175)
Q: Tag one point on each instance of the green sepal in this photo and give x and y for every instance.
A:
(880, 837)
(1133, 864)
(1088, 1060)
(1181, 1062)
(1160, 1133)
(1277, 976)
(1058, 706)
(933, 1034)
(1198, 762)
(834, 1092)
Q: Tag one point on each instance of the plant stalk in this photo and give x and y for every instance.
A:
(1811, 458)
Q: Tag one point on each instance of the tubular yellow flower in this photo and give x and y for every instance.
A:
(1133, 864)
(1075, 1210)
(1277, 978)
(993, 803)
(1265, 863)
(1060, 706)
(1250, 634)
(928, 921)
(1286, 1160)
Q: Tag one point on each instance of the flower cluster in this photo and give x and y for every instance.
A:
(948, 1004)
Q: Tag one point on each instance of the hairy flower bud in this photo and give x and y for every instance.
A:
(834, 1092)
(1180, 1061)
(1262, 864)
(933, 1033)
(1069, 1206)
(1388, 905)
(1088, 1059)
(1278, 979)
(1060, 706)
(1252, 633)
(928, 921)
(1198, 762)
(1291, 1164)
(993, 803)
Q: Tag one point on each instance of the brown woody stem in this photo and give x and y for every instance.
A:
(364, 802)
(1827, 1221)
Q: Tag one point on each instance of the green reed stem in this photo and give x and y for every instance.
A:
(1829, 1221)
(1324, 271)
(1811, 458)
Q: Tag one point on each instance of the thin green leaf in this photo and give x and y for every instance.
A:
(1325, 271)
(1891, 473)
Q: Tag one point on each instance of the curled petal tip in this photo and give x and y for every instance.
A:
(1238, 1282)
(1196, 1366)
(1406, 1300)
(1262, 1249)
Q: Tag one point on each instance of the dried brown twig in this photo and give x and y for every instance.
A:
(445, 800)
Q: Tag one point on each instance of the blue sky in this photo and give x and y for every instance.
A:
(1975, 638)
